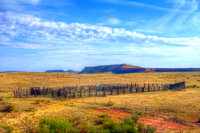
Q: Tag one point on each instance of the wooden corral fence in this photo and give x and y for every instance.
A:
(91, 90)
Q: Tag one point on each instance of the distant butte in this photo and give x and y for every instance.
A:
(127, 68)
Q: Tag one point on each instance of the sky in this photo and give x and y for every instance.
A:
(39, 35)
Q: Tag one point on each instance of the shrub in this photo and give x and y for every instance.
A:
(10, 107)
(103, 119)
(112, 126)
(38, 101)
(150, 129)
(110, 103)
(8, 129)
(31, 109)
(129, 121)
(135, 118)
(54, 126)
(141, 128)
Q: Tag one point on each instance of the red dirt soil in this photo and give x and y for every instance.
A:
(161, 124)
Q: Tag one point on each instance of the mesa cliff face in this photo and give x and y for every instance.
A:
(127, 68)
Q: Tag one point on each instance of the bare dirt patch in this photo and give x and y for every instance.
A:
(161, 124)
(114, 113)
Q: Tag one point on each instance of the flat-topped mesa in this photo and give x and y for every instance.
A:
(108, 68)
(127, 68)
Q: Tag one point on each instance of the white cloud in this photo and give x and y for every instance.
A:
(29, 31)
(113, 21)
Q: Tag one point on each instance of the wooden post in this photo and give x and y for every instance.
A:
(124, 89)
(81, 92)
(89, 91)
(52, 93)
(35, 93)
(111, 90)
(131, 89)
(142, 89)
(96, 91)
(117, 90)
(104, 93)
(70, 92)
(44, 91)
(149, 88)
(74, 94)
(137, 88)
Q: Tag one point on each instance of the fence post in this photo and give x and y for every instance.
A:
(117, 90)
(52, 92)
(81, 91)
(124, 88)
(149, 89)
(35, 93)
(131, 88)
(74, 94)
(104, 92)
(96, 90)
(44, 91)
(89, 91)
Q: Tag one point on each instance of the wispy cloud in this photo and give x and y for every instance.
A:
(177, 19)
(21, 30)
(111, 21)
(133, 3)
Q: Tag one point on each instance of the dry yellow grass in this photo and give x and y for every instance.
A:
(182, 104)
(9, 81)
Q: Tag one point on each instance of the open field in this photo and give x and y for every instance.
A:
(9, 81)
(158, 109)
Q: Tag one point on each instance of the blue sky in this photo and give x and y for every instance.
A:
(37, 35)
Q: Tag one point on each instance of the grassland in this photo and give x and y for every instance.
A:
(9, 81)
(182, 106)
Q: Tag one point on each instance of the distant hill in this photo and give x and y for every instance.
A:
(54, 71)
(10, 71)
(61, 71)
(127, 68)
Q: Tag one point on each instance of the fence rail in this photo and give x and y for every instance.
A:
(91, 90)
